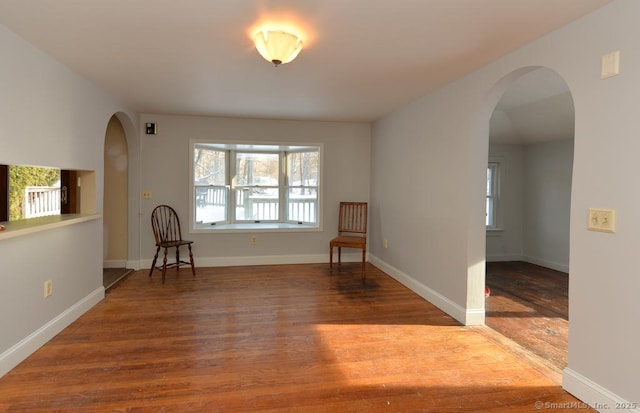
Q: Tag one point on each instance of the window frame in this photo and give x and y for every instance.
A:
(235, 187)
(193, 187)
(231, 224)
(493, 196)
(288, 186)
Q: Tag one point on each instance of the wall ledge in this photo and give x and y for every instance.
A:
(23, 227)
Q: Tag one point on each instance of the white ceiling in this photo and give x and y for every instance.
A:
(361, 59)
(538, 107)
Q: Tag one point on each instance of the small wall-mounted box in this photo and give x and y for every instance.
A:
(151, 128)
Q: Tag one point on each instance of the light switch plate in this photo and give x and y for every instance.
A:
(610, 65)
(603, 220)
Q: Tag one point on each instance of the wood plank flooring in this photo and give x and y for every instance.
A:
(529, 305)
(273, 339)
(111, 276)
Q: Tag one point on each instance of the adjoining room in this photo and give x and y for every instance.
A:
(531, 141)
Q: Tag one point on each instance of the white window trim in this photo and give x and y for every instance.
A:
(495, 166)
(240, 227)
(234, 186)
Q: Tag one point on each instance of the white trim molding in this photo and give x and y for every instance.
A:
(114, 264)
(134, 264)
(547, 264)
(595, 395)
(261, 260)
(27, 346)
(504, 257)
(532, 260)
(467, 316)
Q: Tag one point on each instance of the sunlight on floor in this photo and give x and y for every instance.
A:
(441, 359)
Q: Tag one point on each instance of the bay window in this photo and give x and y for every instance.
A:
(240, 186)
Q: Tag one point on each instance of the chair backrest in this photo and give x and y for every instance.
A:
(165, 224)
(353, 218)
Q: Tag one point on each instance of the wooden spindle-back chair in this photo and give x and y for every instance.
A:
(167, 232)
(352, 231)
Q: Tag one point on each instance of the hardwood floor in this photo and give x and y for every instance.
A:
(269, 339)
(111, 276)
(529, 305)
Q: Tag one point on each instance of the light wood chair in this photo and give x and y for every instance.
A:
(166, 230)
(352, 231)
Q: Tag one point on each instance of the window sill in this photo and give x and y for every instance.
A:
(29, 226)
(254, 227)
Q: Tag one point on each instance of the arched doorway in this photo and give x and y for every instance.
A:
(115, 207)
(529, 174)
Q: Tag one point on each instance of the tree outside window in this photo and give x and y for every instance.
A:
(33, 187)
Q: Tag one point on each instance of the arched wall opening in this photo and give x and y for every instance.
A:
(115, 220)
(528, 123)
(120, 221)
(133, 184)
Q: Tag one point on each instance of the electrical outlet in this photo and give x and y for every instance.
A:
(603, 220)
(385, 244)
(254, 239)
(48, 288)
(146, 194)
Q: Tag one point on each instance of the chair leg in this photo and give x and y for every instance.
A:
(339, 256)
(177, 258)
(330, 258)
(164, 265)
(153, 264)
(363, 263)
(193, 267)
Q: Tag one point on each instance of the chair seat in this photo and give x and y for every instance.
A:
(347, 240)
(177, 243)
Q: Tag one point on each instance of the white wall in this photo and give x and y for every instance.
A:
(164, 169)
(505, 244)
(49, 116)
(547, 202)
(436, 147)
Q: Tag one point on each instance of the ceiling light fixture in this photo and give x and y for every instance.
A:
(277, 46)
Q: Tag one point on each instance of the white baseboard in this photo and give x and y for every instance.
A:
(503, 257)
(595, 395)
(473, 316)
(27, 346)
(261, 260)
(547, 264)
(533, 260)
(131, 264)
(114, 264)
